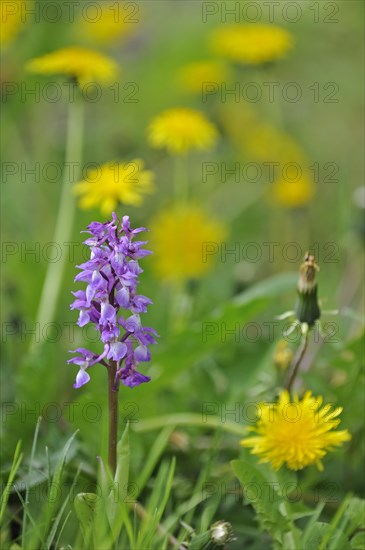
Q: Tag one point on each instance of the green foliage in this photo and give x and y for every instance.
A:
(174, 480)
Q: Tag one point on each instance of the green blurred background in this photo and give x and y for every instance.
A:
(187, 372)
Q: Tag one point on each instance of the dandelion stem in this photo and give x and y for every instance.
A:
(63, 230)
(113, 416)
(298, 361)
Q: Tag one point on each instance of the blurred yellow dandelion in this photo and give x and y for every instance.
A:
(114, 20)
(12, 18)
(194, 76)
(287, 173)
(114, 183)
(182, 238)
(180, 130)
(297, 433)
(295, 188)
(251, 44)
(80, 63)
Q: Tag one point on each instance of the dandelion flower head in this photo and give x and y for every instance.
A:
(180, 130)
(251, 44)
(115, 183)
(178, 239)
(11, 19)
(296, 433)
(114, 20)
(80, 63)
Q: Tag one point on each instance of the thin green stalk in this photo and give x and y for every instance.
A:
(66, 213)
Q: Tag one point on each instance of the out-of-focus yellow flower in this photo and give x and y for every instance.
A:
(114, 183)
(251, 44)
(285, 164)
(296, 189)
(11, 19)
(255, 138)
(80, 63)
(297, 433)
(114, 20)
(183, 240)
(283, 355)
(193, 76)
(180, 130)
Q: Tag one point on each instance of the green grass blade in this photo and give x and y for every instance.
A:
(153, 457)
(13, 470)
(32, 521)
(190, 419)
(52, 497)
(34, 445)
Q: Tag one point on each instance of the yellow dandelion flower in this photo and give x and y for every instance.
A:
(290, 182)
(180, 130)
(296, 189)
(297, 433)
(114, 183)
(251, 44)
(193, 76)
(113, 21)
(256, 138)
(12, 19)
(183, 240)
(80, 63)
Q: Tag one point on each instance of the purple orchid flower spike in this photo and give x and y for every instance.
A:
(112, 275)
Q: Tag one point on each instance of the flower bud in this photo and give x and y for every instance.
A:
(306, 307)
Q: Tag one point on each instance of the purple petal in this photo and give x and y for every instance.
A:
(134, 378)
(122, 297)
(133, 323)
(84, 318)
(82, 378)
(107, 314)
(117, 351)
(142, 353)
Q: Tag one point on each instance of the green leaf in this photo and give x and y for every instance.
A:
(122, 471)
(116, 505)
(355, 515)
(320, 531)
(243, 307)
(154, 456)
(190, 419)
(272, 510)
(358, 541)
(53, 500)
(85, 505)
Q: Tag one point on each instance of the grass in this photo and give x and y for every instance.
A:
(180, 468)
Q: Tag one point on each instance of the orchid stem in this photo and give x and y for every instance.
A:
(113, 416)
(66, 213)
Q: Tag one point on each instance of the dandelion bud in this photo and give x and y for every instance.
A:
(221, 533)
(306, 307)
